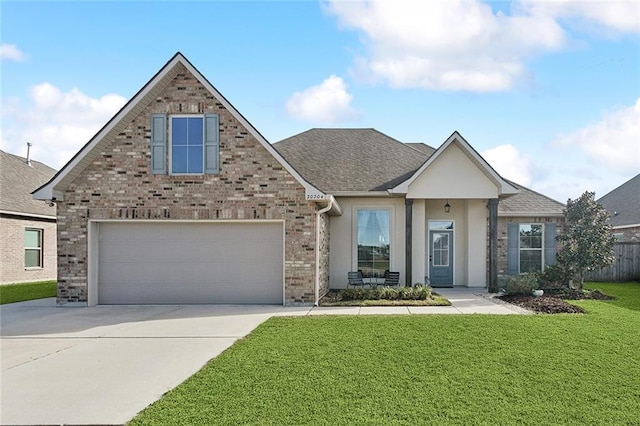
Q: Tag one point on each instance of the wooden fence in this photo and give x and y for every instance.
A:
(626, 266)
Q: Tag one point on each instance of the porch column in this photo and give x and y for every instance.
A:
(408, 210)
(493, 245)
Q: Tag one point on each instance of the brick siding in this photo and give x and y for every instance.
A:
(12, 269)
(251, 185)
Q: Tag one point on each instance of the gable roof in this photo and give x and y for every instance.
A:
(351, 160)
(178, 63)
(504, 187)
(623, 203)
(17, 180)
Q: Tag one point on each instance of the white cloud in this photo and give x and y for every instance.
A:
(612, 143)
(464, 44)
(11, 52)
(510, 163)
(57, 123)
(619, 16)
(327, 103)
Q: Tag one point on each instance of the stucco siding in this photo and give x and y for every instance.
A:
(452, 175)
(343, 250)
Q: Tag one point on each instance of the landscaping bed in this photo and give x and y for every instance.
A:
(384, 296)
(555, 303)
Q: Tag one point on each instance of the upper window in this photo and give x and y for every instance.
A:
(531, 246)
(192, 144)
(32, 248)
(187, 153)
(373, 242)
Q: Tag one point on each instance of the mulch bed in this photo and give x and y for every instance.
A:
(555, 303)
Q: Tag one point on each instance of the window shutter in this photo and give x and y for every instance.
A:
(513, 237)
(158, 144)
(550, 244)
(211, 144)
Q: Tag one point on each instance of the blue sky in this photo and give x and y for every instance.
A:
(548, 92)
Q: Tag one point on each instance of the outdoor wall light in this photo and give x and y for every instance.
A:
(447, 207)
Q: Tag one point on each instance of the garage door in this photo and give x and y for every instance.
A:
(178, 263)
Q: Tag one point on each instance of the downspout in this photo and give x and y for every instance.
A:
(317, 281)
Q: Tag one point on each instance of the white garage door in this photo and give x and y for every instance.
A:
(178, 263)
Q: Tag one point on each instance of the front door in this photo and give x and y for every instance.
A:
(441, 258)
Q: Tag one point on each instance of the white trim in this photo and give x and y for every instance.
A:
(504, 187)
(22, 214)
(369, 194)
(47, 191)
(529, 214)
(626, 226)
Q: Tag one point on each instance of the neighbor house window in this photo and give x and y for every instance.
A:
(189, 145)
(531, 248)
(32, 248)
(374, 227)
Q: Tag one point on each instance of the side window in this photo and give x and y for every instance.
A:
(530, 247)
(32, 248)
(185, 144)
(530, 256)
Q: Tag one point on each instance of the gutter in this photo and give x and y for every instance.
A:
(317, 280)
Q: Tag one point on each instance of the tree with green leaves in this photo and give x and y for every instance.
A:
(587, 240)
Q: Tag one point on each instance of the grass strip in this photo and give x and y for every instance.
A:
(11, 293)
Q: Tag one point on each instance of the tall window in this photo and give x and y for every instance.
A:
(531, 246)
(32, 248)
(373, 241)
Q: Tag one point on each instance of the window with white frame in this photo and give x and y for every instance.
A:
(531, 247)
(191, 142)
(374, 254)
(32, 248)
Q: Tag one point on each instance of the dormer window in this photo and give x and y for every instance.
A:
(189, 146)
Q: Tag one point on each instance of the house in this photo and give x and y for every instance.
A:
(27, 226)
(623, 206)
(179, 199)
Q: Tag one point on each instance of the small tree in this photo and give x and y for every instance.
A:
(587, 241)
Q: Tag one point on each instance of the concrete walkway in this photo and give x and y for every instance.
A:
(104, 364)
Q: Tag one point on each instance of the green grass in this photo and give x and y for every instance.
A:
(12, 293)
(431, 369)
(627, 294)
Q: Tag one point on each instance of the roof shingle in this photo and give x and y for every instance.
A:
(17, 180)
(623, 203)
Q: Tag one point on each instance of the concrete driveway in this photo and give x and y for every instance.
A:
(102, 365)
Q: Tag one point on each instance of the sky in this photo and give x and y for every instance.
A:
(548, 92)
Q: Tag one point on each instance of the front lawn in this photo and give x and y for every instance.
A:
(11, 293)
(436, 369)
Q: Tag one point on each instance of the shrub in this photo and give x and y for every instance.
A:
(419, 292)
(555, 277)
(521, 284)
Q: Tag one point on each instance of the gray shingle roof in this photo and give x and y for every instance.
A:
(342, 160)
(18, 180)
(529, 202)
(336, 160)
(625, 201)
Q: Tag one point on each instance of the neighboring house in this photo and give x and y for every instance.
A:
(27, 226)
(623, 206)
(179, 199)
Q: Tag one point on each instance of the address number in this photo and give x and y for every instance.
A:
(315, 196)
